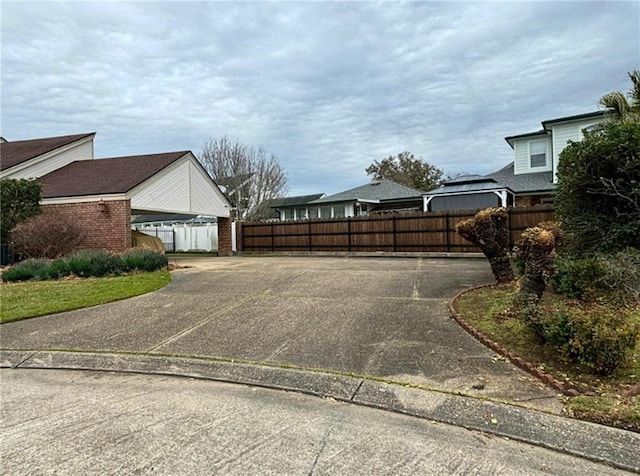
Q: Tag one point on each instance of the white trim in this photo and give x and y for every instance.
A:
(83, 198)
(47, 155)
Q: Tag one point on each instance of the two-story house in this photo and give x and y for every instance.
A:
(527, 181)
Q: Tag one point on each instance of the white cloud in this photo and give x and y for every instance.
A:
(326, 87)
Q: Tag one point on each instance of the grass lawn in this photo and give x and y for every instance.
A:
(38, 298)
(610, 402)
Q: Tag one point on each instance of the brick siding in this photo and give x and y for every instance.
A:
(107, 224)
(224, 237)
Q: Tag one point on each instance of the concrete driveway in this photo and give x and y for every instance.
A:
(378, 317)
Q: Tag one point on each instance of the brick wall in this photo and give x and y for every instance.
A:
(224, 237)
(107, 224)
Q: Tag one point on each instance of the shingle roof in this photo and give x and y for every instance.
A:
(380, 190)
(105, 176)
(531, 182)
(13, 153)
(294, 201)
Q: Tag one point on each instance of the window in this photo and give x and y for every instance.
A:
(538, 153)
(313, 213)
(301, 213)
(338, 211)
(325, 212)
(288, 213)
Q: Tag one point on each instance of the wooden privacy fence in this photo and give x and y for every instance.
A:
(420, 232)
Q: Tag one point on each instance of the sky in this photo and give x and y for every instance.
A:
(325, 87)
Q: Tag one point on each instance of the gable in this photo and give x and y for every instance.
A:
(183, 187)
(38, 157)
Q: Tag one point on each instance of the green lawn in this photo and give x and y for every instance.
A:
(611, 399)
(38, 298)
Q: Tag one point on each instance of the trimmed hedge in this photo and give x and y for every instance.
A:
(86, 263)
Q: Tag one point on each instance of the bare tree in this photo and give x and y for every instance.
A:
(250, 177)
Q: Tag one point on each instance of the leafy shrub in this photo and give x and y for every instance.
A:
(97, 263)
(143, 259)
(597, 196)
(599, 337)
(574, 278)
(26, 270)
(49, 235)
(617, 275)
(19, 201)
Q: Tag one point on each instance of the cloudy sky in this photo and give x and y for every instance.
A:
(326, 87)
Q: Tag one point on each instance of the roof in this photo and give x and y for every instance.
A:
(529, 182)
(294, 201)
(13, 153)
(105, 176)
(467, 179)
(578, 117)
(545, 124)
(373, 191)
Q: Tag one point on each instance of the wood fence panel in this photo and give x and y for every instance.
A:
(420, 232)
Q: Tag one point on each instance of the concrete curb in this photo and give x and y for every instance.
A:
(611, 446)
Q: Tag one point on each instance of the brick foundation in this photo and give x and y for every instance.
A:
(224, 237)
(107, 224)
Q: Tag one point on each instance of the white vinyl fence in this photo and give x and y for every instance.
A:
(185, 237)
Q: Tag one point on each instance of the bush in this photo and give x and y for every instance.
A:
(49, 235)
(598, 337)
(616, 275)
(19, 201)
(26, 270)
(575, 278)
(598, 196)
(141, 259)
(85, 263)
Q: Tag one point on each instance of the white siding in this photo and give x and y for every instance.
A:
(52, 161)
(563, 133)
(167, 191)
(183, 187)
(206, 199)
(522, 164)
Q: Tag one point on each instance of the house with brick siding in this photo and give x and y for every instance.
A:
(103, 194)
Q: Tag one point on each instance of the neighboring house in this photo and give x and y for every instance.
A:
(37, 157)
(529, 180)
(103, 194)
(378, 196)
(141, 221)
(292, 208)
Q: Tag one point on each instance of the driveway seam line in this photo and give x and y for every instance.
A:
(355, 392)
(204, 321)
(28, 357)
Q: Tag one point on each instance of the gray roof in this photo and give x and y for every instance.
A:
(373, 191)
(294, 201)
(521, 183)
(477, 186)
(467, 179)
(577, 117)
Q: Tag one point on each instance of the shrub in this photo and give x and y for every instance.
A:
(141, 259)
(574, 278)
(26, 270)
(97, 263)
(598, 337)
(19, 201)
(598, 195)
(617, 275)
(49, 235)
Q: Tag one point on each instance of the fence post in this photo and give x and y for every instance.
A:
(394, 233)
(272, 240)
(510, 229)
(447, 224)
(310, 235)
(349, 234)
